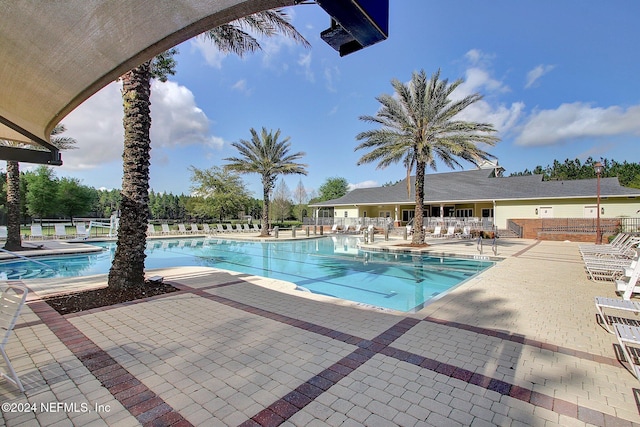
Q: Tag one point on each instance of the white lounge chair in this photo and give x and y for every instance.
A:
(182, 229)
(3, 232)
(451, 232)
(466, 233)
(628, 284)
(629, 337)
(345, 229)
(151, 230)
(206, 228)
(229, 228)
(238, 228)
(12, 298)
(81, 231)
(60, 231)
(219, 228)
(36, 232)
(334, 229)
(165, 229)
(194, 228)
(437, 232)
(603, 303)
(256, 227)
(245, 228)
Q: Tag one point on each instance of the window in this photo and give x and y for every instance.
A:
(487, 213)
(346, 214)
(407, 215)
(464, 213)
(364, 214)
(384, 214)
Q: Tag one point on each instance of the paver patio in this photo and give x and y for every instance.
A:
(516, 345)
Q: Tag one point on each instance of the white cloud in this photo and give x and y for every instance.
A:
(304, 61)
(536, 73)
(212, 55)
(578, 120)
(97, 125)
(363, 184)
(241, 86)
(331, 74)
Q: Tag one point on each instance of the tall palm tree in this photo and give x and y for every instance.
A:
(268, 157)
(127, 268)
(419, 128)
(14, 239)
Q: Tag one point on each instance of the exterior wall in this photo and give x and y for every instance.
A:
(351, 212)
(531, 229)
(572, 208)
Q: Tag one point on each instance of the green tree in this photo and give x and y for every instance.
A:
(42, 198)
(219, 193)
(332, 188)
(14, 207)
(73, 198)
(127, 268)
(418, 127)
(265, 155)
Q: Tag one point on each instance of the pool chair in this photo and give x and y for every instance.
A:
(239, 228)
(607, 268)
(60, 231)
(628, 284)
(206, 228)
(219, 228)
(246, 228)
(194, 228)
(629, 340)
(619, 305)
(36, 232)
(466, 233)
(3, 232)
(81, 231)
(334, 229)
(12, 298)
(182, 229)
(256, 227)
(165, 229)
(151, 230)
(437, 232)
(451, 232)
(345, 229)
(229, 228)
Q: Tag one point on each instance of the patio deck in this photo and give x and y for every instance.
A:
(516, 345)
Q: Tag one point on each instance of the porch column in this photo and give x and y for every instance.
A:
(441, 212)
(396, 221)
(317, 213)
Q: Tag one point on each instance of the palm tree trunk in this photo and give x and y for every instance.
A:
(14, 240)
(418, 231)
(127, 268)
(265, 209)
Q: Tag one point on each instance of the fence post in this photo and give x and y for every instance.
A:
(293, 231)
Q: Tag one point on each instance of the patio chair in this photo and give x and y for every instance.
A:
(451, 232)
(36, 232)
(219, 228)
(245, 228)
(603, 303)
(194, 228)
(466, 233)
(151, 230)
(627, 285)
(256, 227)
(3, 232)
(334, 229)
(165, 229)
(437, 232)
(206, 228)
(60, 231)
(12, 298)
(607, 268)
(345, 229)
(229, 228)
(182, 229)
(629, 340)
(238, 228)
(81, 231)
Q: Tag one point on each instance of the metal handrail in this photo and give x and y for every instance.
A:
(25, 258)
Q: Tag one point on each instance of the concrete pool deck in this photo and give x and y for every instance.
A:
(516, 345)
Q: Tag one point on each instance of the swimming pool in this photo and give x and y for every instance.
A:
(333, 266)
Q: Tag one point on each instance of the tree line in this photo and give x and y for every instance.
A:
(628, 173)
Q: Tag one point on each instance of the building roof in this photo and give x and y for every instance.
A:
(481, 185)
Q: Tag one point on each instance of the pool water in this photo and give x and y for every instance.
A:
(333, 266)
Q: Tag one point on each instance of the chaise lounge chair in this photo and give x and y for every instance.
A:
(451, 232)
(629, 340)
(603, 303)
(12, 298)
(36, 232)
(165, 229)
(60, 231)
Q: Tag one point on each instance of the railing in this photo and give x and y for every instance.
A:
(515, 228)
(580, 225)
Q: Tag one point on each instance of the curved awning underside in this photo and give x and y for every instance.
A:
(55, 54)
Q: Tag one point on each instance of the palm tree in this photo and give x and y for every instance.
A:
(127, 268)
(267, 156)
(419, 128)
(14, 239)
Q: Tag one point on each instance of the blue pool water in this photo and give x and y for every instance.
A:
(331, 266)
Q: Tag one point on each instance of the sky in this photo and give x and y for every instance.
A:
(559, 79)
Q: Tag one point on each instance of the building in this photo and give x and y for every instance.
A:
(486, 195)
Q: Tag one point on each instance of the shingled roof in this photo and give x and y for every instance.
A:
(481, 185)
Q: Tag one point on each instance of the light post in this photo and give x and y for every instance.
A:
(598, 168)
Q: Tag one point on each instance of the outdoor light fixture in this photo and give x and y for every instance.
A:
(598, 168)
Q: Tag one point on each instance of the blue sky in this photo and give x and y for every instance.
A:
(560, 80)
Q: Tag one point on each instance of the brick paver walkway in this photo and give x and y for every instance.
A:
(517, 345)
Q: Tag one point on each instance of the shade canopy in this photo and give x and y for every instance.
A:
(56, 54)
